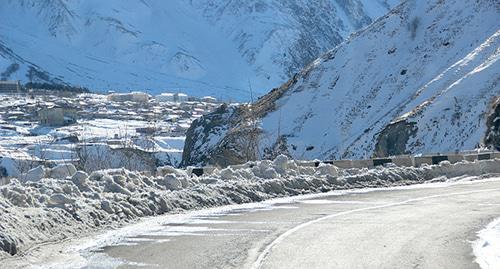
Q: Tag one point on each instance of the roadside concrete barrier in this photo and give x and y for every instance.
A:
(455, 158)
(402, 160)
(439, 158)
(484, 156)
(470, 157)
(423, 160)
(362, 163)
(200, 171)
(381, 161)
(308, 163)
(346, 164)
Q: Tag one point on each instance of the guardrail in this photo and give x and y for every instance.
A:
(401, 160)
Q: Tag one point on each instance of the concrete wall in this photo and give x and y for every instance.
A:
(422, 160)
(470, 157)
(403, 161)
(381, 161)
(199, 171)
(455, 158)
(346, 164)
(362, 164)
(484, 156)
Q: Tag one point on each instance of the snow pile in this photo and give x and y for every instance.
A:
(60, 171)
(71, 202)
(487, 248)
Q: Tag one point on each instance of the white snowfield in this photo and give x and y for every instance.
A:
(430, 65)
(199, 47)
(487, 247)
(439, 76)
(61, 202)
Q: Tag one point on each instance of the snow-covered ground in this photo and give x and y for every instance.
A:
(108, 134)
(200, 47)
(152, 127)
(418, 80)
(65, 204)
(487, 247)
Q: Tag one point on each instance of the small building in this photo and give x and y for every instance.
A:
(146, 130)
(180, 97)
(10, 86)
(165, 97)
(57, 116)
(209, 99)
(136, 97)
(172, 97)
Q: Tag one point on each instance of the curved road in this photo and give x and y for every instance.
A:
(423, 227)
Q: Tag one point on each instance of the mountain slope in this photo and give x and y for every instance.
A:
(420, 79)
(202, 47)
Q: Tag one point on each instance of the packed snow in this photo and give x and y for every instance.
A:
(487, 247)
(51, 204)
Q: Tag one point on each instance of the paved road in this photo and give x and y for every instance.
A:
(411, 228)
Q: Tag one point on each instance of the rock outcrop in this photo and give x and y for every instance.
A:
(492, 138)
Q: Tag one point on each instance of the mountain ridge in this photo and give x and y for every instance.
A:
(410, 64)
(202, 47)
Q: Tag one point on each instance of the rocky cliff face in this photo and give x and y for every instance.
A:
(201, 47)
(231, 134)
(492, 138)
(205, 134)
(420, 79)
(394, 138)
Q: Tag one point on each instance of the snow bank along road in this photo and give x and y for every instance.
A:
(422, 226)
(52, 204)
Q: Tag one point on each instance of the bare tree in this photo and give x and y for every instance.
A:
(24, 165)
(252, 131)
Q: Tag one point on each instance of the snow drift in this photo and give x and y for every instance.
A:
(34, 210)
(487, 247)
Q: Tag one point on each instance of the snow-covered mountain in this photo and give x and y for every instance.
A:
(215, 47)
(420, 79)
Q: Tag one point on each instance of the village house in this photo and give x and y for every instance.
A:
(172, 97)
(10, 87)
(181, 97)
(209, 99)
(135, 97)
(57, 116)
(165, 97)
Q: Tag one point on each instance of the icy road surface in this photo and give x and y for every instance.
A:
(423, 226)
